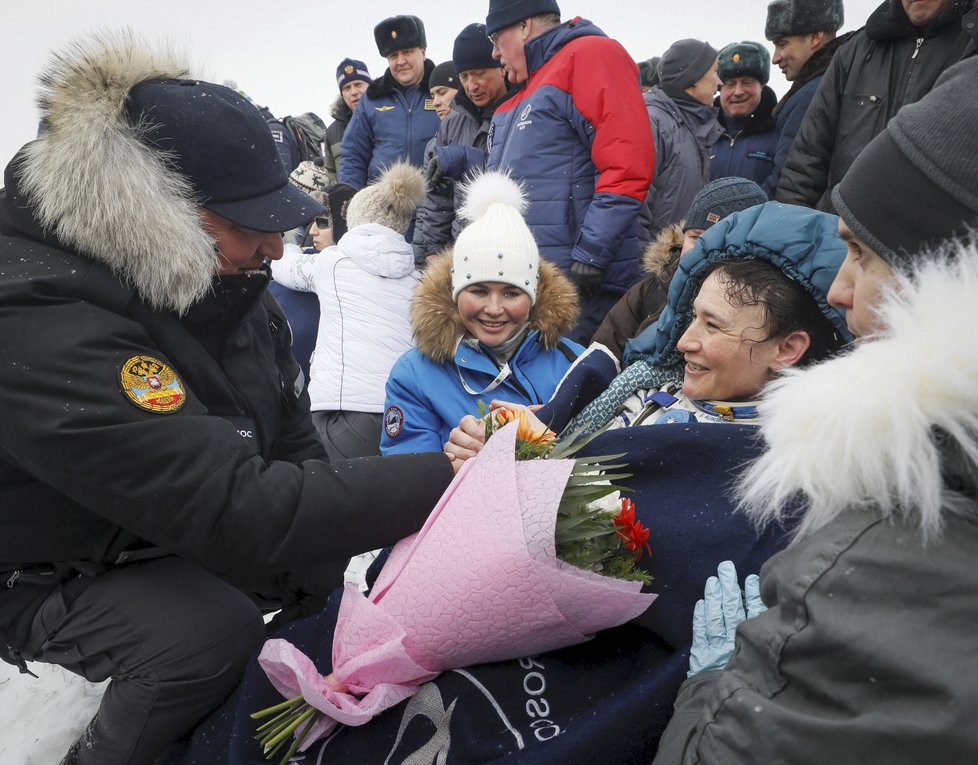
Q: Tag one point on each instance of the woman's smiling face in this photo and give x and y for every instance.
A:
(493, 312)
(728, 356)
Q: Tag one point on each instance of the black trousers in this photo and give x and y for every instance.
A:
(593, 310)
(174, 638)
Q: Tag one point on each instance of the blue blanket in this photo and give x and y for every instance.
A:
(603, 701)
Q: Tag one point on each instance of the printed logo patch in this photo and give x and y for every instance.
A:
(152, 385)
(712, 217)
(429, 104)
(393, 421)
(383, 108)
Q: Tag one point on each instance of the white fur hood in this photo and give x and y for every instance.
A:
(875, 427)
(378, 250)
(101, 192)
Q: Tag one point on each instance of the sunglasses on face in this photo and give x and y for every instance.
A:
(322, 221)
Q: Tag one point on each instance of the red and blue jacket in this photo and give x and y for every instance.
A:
(578, 137)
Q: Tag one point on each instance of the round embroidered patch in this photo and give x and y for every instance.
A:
(152, 385)
(393, 421)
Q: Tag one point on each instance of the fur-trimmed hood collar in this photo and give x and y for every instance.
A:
(893, 424)
(94, 188)
(437, 325)
(661, 257)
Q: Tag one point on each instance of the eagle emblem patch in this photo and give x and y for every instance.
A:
(152, 385)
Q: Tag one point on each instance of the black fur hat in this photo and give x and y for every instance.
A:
(800, 17)
(399, 33)
(744, 59)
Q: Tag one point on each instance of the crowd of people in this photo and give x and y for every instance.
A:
(252, 366)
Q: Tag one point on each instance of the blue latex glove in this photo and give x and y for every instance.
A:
(716, 617)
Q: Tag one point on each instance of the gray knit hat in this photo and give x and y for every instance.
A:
(391, 200)
(720, 198)
(745, 59)
(916, 183)
(648, 72)
(800, 17)
(684, 64)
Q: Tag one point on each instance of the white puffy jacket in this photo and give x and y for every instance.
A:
(365, 284)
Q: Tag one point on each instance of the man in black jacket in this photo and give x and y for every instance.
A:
(894, 60)
(159, 473)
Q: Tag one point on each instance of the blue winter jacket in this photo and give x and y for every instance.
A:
(389, 123)
(578, 137)
(801, 242)
(747, 147)
(426, 389)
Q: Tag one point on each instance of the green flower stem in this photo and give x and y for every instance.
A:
(289, 703)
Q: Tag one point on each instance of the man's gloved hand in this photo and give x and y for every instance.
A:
(716, 617)
(587, 278)
(433, 175)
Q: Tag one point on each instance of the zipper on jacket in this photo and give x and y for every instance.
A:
(916, 50)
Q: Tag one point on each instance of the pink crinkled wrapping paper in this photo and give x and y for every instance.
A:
(479, 583)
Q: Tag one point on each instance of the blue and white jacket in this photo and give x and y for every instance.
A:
(443, 378)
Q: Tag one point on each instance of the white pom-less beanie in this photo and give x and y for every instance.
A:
(497, 246)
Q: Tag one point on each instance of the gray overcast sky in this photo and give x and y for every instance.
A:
(284, 52)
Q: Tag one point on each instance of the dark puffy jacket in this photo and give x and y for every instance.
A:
(390, 123)
(792, 107)
(883, 66)
(684, 131)
(437, 224)
(576, 135)
(747, 147)
(334, 138)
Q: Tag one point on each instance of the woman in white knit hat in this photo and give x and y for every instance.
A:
(488, 319)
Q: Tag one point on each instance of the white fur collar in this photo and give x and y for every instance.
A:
(102, 191)
(858, 430)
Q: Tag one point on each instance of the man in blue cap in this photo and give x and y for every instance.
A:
(160, 477)
(352, 78)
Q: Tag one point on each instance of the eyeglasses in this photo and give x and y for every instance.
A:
(494, 37)
(323, 222)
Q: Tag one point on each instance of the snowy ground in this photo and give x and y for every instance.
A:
(39, 718)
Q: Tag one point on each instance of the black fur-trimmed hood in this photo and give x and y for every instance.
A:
(93, 187)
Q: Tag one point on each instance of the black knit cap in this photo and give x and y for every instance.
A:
(801, 17)
(443, 75)
(916, 183)
(399, 33)
(684, 64)
(505, 13)
(473, 50)
(744, 59)
(648, 72)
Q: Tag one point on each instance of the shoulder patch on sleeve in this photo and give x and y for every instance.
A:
(393, 421)
(152, 385)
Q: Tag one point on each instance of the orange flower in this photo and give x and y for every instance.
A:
(634, 535)
(525, 432)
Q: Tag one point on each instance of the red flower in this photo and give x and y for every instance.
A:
(633, 534)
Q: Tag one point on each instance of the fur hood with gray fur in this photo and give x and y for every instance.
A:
(661, 257)
(98, 190)
(892, 424)
(437, 325)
